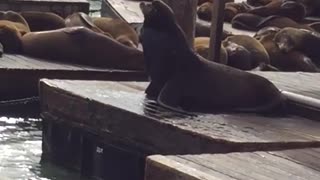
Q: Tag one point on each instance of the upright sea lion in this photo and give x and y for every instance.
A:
(201, 46)
(285, 61)
(43, 21)
(119, 29)
(253, 22)
(258, 53)
(302, 40)
(82, 19)
(180, 79)
(81, 45)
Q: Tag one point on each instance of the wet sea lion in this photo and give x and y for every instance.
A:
(43, 21)
(285, 61)
(254, 22)
(258, 52)
(290, 9)
(238, 56)
(82, 19)
(83, 46)
(180, 79)
(119, 29)
(305, 41)
(201, 46)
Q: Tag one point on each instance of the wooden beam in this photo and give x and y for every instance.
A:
(186, 13)
(216, 29)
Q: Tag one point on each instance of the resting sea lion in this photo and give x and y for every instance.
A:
(17, 20)
(253, 22)
(290, 9)
(201, 46)
(285, 61)
(83, 46)
(180, 79)
(238, 56)
(119, 29)
(258, 52)
(302, 40)
(82, 19)
(43, 21)
(10, 37)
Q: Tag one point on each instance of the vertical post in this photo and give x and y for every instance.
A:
(185, 12)
(216, 29)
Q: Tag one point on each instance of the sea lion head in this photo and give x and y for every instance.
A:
(157, 15)
(10, 38)
(287, 39)
(266, 33)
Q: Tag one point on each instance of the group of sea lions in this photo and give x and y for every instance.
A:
(79, 38)
(283, 30)
(183, 80)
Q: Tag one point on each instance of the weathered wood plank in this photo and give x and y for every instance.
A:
(60, 7)
(122, 110)
(235, 166)
(20, 74)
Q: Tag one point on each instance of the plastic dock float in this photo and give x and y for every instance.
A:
(20, 74)
(60, 7)
(285, 165)
(118, 115)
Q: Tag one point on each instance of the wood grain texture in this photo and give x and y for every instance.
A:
(122, 110)
(285, 165)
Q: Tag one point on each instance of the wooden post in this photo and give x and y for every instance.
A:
(216, 29)
(186, 13)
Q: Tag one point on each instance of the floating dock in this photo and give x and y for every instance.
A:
(117, 117)
(60, 7)
(20, 74)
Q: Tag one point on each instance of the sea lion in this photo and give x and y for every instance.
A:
(10, 36)
(119, 29)
(293, 10)
(238, 56)
(182, 80)
(285, 61)
(17, 20)
(201, 46)
(252, 22)
(43, 21)
(82, 19)
(82, 45)
(258, 52)
(305, 41)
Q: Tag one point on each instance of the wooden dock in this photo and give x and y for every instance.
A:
(20, 74)
(285, 165)
(119, 115)
(60, 7)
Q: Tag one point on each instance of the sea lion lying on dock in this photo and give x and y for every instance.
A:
(238, 56)
(43, 21)
(83, 46)
(181, 79)
(201, 46)
(119, 30)
(16, 20)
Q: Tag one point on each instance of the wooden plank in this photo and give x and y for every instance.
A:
(20, 74)
(60, 7)
(120, 109)
(302, 164)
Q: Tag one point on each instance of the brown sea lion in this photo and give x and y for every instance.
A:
(119, 29)
(238, 56)
(201, 46)
(180, 79)
(82, 19)
(285, 61)
(290, 9)
(305, 41)
(43, 21)
(10, 36)
(253, 22)
(83, 46)
(258, 52)
(17, 20)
